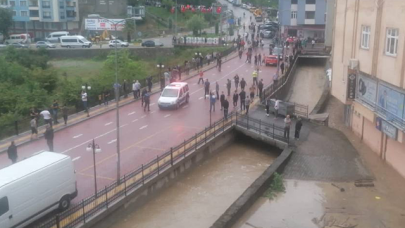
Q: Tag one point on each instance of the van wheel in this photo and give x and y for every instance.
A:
(68, 46)
(83, 46)
(64, 203)
(187, 100)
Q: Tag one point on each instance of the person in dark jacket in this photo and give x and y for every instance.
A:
(222, 99)
(298, 126)
(235, 99)
(206, 88)
(242, 96)
(242, 84)
(125, 88)
(260, 88)
(49, 137)
(282, 67)
(144, 91)
(146, 99)
(226, 108)
(12, 152)
(236, 79)
(228, 86)
(217, 89)
(149, 84)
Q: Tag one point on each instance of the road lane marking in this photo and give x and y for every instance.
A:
(123, 125)
(152, 104)
(81, 144)
(77, 136)
(38, 152)
(143, 116)
(152, 112)
(108, 123)
(200, 98)
(167, 115)
(143, 127)
(133, 121)
(75, 159)
(185, 106)
(112, 141)
(131, 113)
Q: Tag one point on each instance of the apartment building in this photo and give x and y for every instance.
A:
(368, 65)
(41, 17)
(303, 18)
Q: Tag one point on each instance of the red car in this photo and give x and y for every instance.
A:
(271, 60)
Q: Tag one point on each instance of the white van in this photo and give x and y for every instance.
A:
(174, 95)
(18, 38)
(33, 187)
(74, 41)
(54, 37)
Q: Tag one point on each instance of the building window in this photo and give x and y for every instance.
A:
(365, 37)
(392, 42)
(309, 14)
(294, 2)
(46, 15)
(24, 13)
(33, 3)
(23, 3)
(293, 14)
(310, 1)
(34, 13)
(46, 4)
(61, 5)
(62, 15)
(12, 3)
(14, 13)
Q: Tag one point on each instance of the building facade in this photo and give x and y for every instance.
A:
(303, 18)
(368, 65)
(41, 17)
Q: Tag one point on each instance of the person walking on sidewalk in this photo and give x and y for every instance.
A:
(55, 109)
(201, 78)
(222, 99)
(287, 125)
(149, 84)
(268, 107)
(226, 108)
(242, 84)
(206, 88)
(34, 129)
(236, 80)
(276, 107)
(235, 98)
(228, 86)
(212, 102)
(12, 152)
(47, 116)
(134, 91)
(260, 88)
(298, 126)
(282, 67)
(242, 96)
(217, 89)
(49, 137)
(146, 99)
(247, 104)
(65, 111)
(106, 96)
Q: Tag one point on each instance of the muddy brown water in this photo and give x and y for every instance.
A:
(199, 198)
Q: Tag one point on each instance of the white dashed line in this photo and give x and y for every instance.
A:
(152, 104)
(133, 121)
(200, 98)
(185, 106)
(108, 123)
(131, 113)
(77, 136)
(112, 141)
(123, 125)
(76, 158)
(143, 116)
(143, 127)
(167, 115)
(152, 112)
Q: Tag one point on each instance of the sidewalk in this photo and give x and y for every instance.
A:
(79, 117)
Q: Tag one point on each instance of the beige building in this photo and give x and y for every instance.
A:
(368, 65)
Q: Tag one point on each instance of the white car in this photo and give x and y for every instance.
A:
(118, 43)
(174, 95)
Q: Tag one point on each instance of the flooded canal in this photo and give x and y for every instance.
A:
(199, 198)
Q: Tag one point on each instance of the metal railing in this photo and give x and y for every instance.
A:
(92, 206)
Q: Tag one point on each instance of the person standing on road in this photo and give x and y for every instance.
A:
(144, 92)
(252, 92)
(49, 137)
(235, 99)
(254, 76)
(242, 96)
(149, 84)
(298, 126)
(240, 53)
(201, 79)
(219, 64)
(212, 102)
(268, 107)
(217, 89)
(12, 152)
(282, 67)
(146, 99)
(247, 104)
(287, 124)
(55, 108)
(236, 79)
(260, 88)
(242, 84)
(222, 99)
(228, 87)
(226, 108)
(47, 116)
(206, 88)
(259, 59)
(34, 129)
(276, 107)
(65, 111)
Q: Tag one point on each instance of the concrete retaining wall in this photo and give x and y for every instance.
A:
(256, 190)
(164, 180)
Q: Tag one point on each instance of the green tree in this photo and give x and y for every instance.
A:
(196, 24)
(6, 21)
(168, 3)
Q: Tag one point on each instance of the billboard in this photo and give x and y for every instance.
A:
(104, 24)
(390, 102)
(366, 90)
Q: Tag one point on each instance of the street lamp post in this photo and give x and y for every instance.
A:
(86, 88)
(95, 149)
(116, 88)
(162, 79)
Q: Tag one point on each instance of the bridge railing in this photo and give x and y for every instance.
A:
(81, 213)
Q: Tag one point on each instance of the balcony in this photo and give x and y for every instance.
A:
(33, 4)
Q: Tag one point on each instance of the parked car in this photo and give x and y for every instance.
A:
(152, 43)
(119, 43)
(19, 45)
(55, 36)
(3, 46)
(44, 44)
(270, 60)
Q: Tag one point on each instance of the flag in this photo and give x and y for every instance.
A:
(219, 9)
